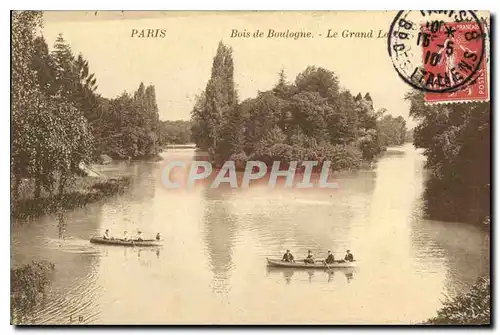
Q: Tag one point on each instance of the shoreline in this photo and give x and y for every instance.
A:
(82, 192)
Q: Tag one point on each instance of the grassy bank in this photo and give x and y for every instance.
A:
(83, 191)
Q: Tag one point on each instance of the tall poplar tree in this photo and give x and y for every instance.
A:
(219, 115)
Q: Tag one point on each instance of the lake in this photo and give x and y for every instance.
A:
(212, 267)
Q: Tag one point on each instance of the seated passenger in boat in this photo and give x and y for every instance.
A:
(330, 259)
(106, 235)
(125, 237)
(348, 256)
(139, 236)
(310, 258)
(158, 237)
(288, 257)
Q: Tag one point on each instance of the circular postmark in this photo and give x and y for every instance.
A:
(437, 51)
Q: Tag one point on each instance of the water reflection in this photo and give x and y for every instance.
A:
(444, 247)
(61, 224)
(313, 275)
(143, 184)
(219, 234)
(148, 256)
(349, 276)
(133, 211)
(212, 265)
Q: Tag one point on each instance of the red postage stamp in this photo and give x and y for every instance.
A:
(462, 37)
(445, 54)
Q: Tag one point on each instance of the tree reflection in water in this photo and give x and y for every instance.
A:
(61, 224)
(219, 234)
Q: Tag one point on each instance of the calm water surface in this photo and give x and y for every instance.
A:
(212, 268)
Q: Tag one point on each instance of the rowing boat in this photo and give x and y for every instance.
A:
(127, 243)
(317, 265)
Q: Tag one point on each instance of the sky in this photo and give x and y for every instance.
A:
(179, 64)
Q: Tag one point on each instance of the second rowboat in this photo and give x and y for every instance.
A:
(317, 265)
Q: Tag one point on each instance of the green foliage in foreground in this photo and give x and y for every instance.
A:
(472, 308)
(28, 284)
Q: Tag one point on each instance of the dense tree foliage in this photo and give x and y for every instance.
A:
(456, 139)
(392, 130)
(216, 113)
(309, 119)
(124, 127)
(50, 135)
(175, 132)
(129, 125)
(57, 114)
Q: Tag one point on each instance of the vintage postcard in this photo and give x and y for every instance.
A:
(250, 168)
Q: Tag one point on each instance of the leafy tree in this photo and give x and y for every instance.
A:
(73, 80)
(282, 79)
(283, 89)
(200, 131)
(219, 115)
(456, 142)
(85, 91)
(392, 130)
(66, 76)
(311, 113)
(175, 132)
(131, 124)
(368, 132)
(44, 66)
(344, 123)
(309, 119)
(274, 136)
(25, 92)
(49, 134)
(319, 80)
(261, 115)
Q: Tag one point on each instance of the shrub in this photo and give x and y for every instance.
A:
(344, 157)
(472, 308)
(27, 286)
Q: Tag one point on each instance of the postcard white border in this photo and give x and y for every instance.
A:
(189, 5)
